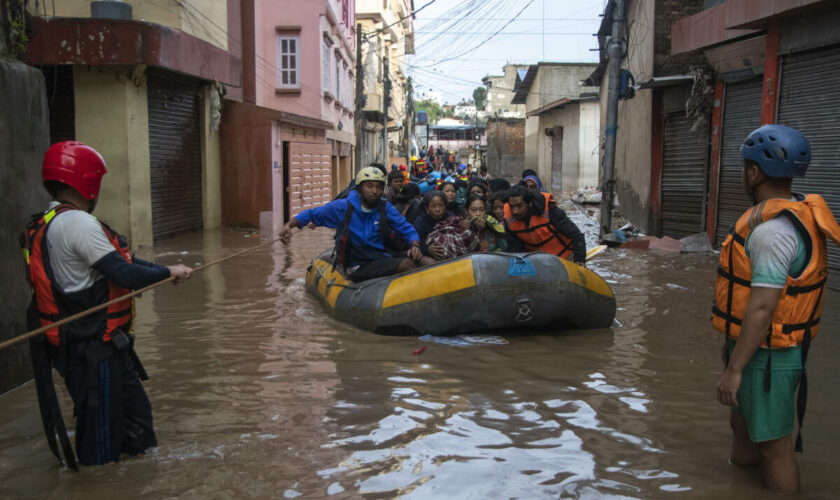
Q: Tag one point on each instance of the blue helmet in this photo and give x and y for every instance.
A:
(778, 150)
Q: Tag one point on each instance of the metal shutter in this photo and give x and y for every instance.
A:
(175, 153)
(810, 101)
(684, 174)
(741, 115)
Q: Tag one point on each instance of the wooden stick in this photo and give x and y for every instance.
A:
(127, 296)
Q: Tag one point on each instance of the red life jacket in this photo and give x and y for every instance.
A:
(53, 304)
(538, 234)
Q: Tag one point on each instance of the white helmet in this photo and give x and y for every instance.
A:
(369, 174)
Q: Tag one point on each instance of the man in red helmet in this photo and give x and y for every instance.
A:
(75, 262)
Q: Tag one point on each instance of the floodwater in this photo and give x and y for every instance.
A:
(257, 394)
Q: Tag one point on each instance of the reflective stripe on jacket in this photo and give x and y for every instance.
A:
(800, 305)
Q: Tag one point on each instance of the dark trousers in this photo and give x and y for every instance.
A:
(113, 413)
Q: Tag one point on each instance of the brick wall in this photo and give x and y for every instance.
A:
(310, 175)
(505, 147)
(666, 12)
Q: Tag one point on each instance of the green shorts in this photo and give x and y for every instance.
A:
(770, 415)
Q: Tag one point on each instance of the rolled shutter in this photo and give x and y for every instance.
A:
(741, 115)
(810, 102)
(175, 153)
(684, 174)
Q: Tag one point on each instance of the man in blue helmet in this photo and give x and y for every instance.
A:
(768, 303)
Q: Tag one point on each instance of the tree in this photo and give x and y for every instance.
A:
(480, 97)
(433, 109)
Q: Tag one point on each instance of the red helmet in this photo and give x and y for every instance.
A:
(75, 164)
(402, 167)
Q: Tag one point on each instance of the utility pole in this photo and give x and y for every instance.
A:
(614, 50)
(359, 116)
(386, 103)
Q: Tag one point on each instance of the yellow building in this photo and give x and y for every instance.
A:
(141, 83)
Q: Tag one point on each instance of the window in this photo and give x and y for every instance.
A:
(337, 77)
(325, 66)
(288, 61)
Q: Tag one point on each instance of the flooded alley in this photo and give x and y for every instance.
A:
(258, 394)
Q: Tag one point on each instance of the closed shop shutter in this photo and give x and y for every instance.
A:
(311, 175)
(741, 115)
(174, 153)
(684, 173)
(810, 102)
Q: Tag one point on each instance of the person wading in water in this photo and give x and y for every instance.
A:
(75, 262)
(768, 303)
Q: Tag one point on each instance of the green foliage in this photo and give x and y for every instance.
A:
(433, 110)
(480, 97)
(17, 37)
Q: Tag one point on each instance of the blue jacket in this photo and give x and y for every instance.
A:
(364, 226)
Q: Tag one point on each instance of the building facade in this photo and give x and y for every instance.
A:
(387, 37)
(287, 134)
(500, 93)
(144, 90)
(660, 161)
(561, 125)
(773, 62)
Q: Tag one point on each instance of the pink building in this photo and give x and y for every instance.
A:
(287, 134)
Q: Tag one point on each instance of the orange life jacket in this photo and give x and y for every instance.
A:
(51, 302)
(797, 315)
(538, 234)
(407, 176)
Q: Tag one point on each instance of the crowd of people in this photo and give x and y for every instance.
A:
(386, 223)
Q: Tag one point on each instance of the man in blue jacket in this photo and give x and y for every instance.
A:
(372, 238)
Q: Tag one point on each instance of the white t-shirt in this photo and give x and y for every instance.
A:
(76, 241)
(776, 250)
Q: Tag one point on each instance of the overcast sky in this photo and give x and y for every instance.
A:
(447, 30)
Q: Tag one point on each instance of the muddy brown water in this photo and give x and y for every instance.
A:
(258, 394)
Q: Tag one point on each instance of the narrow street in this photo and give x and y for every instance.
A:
(257, 393)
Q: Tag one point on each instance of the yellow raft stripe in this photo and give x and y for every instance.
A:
(438, 280)
(586, 278)
(328, 274)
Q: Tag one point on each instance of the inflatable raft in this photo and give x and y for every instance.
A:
(482, 291)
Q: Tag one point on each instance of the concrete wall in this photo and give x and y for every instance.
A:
(588, 144)
(506, 147)
(24, 137)
(204, 19)
(112, 117)
(500, 93)
(246, 179)
(211, 168)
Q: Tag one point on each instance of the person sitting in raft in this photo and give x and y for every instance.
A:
(490, 232)
(449, 192)
(536, 221)
(433, 210)
(496, 185)
(396, 180)
(496, 205)
(533, 183)
(408, 202)
(476, 186)
(372, 238)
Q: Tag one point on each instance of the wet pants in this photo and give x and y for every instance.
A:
(113, 413)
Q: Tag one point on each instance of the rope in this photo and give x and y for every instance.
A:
(127, 296)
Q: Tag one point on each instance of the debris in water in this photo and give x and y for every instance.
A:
(419, 351)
